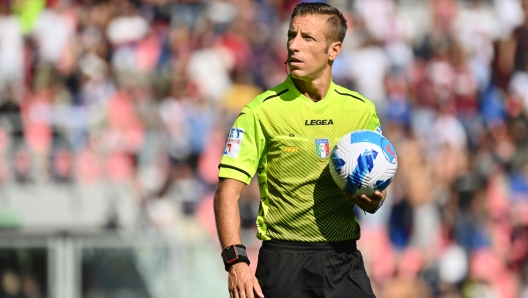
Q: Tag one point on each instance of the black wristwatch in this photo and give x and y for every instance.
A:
(234, 254)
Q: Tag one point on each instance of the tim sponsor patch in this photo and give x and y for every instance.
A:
(234, 141)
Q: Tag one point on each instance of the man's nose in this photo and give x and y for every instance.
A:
(293, 44)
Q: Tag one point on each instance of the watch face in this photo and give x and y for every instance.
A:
(230, 254)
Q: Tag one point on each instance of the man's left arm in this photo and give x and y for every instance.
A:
(372, 203)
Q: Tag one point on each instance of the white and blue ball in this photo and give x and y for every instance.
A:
(363, 161)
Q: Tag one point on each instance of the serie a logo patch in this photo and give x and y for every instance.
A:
(234, 141)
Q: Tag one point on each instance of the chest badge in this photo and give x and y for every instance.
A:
(322, 148)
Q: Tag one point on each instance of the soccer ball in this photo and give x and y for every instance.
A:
(363, 161)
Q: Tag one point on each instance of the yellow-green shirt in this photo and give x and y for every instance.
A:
(286, 138)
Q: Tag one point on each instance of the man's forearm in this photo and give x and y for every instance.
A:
(227, 213)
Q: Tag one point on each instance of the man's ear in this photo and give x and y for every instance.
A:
(333, 50)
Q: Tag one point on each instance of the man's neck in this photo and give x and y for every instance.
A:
(316, 89)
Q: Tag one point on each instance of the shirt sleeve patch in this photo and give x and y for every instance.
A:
(378, 129)
(234, 141)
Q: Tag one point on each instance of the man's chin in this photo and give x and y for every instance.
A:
(300, 75)
(297, 74)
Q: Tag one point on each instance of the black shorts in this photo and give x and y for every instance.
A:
(306, 270)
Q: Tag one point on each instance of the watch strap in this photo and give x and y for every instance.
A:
(241, 250)
(241, 256)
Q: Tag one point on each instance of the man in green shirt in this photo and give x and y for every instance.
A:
(307, 224)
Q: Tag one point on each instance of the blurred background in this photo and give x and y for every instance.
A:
(114, 113)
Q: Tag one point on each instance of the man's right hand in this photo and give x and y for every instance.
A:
(242, 282)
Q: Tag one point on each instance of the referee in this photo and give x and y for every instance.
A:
(307, 224)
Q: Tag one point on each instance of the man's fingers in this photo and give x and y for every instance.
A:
(248, 290)
(233, 294)
(256, 288)
(378, 194)
(365, 198)
(232, 290)
(358, 199)
(243, 288)
(241, 281)
(241, 291)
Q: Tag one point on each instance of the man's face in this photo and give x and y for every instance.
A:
(307, 46)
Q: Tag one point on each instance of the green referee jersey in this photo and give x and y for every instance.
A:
(286, 139)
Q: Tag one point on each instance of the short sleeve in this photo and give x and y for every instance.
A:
(373, 123)
(243, 149)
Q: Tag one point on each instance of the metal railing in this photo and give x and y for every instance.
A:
(142, 264)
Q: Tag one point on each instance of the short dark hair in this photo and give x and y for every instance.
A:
(337, 25)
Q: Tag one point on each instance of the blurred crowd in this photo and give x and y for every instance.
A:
(143, 92)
